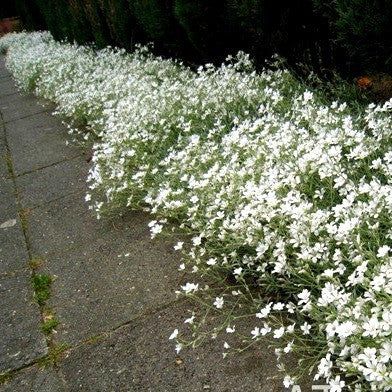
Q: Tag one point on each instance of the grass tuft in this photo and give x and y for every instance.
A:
(54, 356)
(41, 285)
(48, 326)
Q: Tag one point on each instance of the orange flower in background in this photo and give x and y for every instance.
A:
(364, 82)
(9, 24)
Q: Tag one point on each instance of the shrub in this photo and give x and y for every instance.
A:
(152, 16)
(363, 29)
(80, 27)
(30, 15)
(121, 22)
(208, 27)
(7, 9)
(96, 22)
(57, 17)
(156, 19)
(289, 28)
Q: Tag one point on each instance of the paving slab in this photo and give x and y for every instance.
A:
(34, 379)
(13, 252)
(139, 357)
(7, 87)
(21, 339)
(68, 223)
(96, 290)
(50, 183)
(62, 224)
(14, 98)
(38, 141)
(17, 106)
(21, 98)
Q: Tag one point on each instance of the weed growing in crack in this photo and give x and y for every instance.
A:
(49, 326)
(54, 355)
(41, 286)
(36, 264)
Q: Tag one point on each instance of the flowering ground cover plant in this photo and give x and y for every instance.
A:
(287, 197)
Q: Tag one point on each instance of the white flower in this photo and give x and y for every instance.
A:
(196, 240)
(278, 306)
(152, 223)
(218, 303)
(255, 332)
(288, 381)
(336, 385)
(290, 328)
(211, 261)
(266, 329)
(237, 271)
(190, 320)
(288, 348)
(308, 95)
(156, 229)
(178, 246)
(190, 287)
(279, 332)
(267, 176)
(264, 312)
(304, 297)
(290, 308)
(383, 251)
(174, 334)
(230, 329)
(346, 329)
(305, 328)
(386, 352)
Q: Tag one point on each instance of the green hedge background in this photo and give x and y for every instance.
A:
(349, 36)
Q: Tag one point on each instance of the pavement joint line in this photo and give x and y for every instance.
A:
(8, 95)
(49, 165)
(99, 336)
(31, 208)
(104, 334)
(51, 201)
(9, 375)
(26, 116)
(40, 362)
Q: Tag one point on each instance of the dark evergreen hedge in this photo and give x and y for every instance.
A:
(7, 9)
(343, 34)
(363, 29)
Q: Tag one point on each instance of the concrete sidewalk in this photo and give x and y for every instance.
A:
(115, 313)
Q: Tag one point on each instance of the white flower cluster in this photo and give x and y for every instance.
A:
(277, 188)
